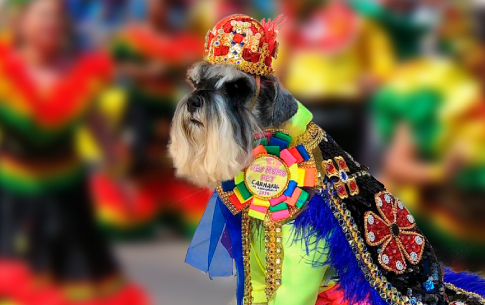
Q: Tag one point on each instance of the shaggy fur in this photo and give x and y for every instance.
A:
(214, 143)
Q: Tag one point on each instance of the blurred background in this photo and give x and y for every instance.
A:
(400, 84)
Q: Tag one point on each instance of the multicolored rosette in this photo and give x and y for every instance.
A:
(278, 182)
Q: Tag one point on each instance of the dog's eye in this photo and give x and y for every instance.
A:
(240, 86)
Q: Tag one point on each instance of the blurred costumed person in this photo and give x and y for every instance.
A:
(97, 20)
(408, 23)
(431, 118)
(50, 251)
(151, 56)
(330, 60)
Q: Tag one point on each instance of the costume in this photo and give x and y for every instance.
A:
(441, 111)
(48, 238)
(332, 70)
(149, 108)
(405, 29)
(304, 222)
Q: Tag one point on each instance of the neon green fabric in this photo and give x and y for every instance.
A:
(298, 123)
(301, 282)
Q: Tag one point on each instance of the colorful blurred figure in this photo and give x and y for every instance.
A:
(50, 250)
(333, 58)
(431, 116)
(95, 21)
(408, 23)
(152, 56)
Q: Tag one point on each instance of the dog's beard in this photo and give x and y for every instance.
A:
(212, 144)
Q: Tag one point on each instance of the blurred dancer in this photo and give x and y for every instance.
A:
(433, 124)
(151, 56)
(50, 251)
(333, 58)
(408, 23)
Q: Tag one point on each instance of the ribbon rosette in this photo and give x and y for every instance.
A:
(277, 182)
(395, 230)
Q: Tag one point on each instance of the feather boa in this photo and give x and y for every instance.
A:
(318, 221)
(466, 281)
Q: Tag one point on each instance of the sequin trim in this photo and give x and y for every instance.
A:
(246, 249)
(458, 290)
(274, 258)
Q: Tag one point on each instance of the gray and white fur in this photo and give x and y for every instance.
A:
(213, 127)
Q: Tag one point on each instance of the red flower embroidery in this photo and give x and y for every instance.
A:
(395, 230)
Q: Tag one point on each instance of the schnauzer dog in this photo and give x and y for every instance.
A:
(212, 137)
(213, 127)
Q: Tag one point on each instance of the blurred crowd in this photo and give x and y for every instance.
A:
(88, 89)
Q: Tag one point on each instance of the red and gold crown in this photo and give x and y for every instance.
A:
(244, 42)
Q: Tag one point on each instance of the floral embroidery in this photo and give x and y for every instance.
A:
(394, 229)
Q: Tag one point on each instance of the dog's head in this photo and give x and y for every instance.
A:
(213, 127)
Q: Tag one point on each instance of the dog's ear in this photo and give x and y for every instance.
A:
(195, 74)
(285, 105)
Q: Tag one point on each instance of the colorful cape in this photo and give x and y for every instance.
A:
(378, 253)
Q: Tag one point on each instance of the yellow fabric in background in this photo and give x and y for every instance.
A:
(314, 73)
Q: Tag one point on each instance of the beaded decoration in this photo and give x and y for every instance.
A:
(273, 249)
(394, 229)
(341, 172)
(289, 162)
(244, 42)
(277, 183)
(377, 280)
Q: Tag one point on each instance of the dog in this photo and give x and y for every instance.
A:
(213, 127)
(352, 241)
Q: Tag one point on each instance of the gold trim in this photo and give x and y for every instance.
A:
(246, 249)
(467, 293)
(349, 183)
(224, 196)
(366, 229)
(341, 159)
(325, 164)
(387, 267)
(378, 282)
(403, 250)
(274, 258)
(311, 138)
(402, 230)
(388, 222)
(340, 184)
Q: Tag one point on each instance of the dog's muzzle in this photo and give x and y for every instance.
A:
(194, 102)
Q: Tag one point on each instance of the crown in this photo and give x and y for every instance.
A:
(244, 42)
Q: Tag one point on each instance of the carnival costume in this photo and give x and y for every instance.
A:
(48, 236)
(304, 218)
(332, 70)
(150, 103)
(405, 30)
(442, 109)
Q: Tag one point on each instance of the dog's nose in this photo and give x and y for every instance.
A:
(193, 103)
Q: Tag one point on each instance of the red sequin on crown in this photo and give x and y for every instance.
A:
(244, 42)
(395, 230)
